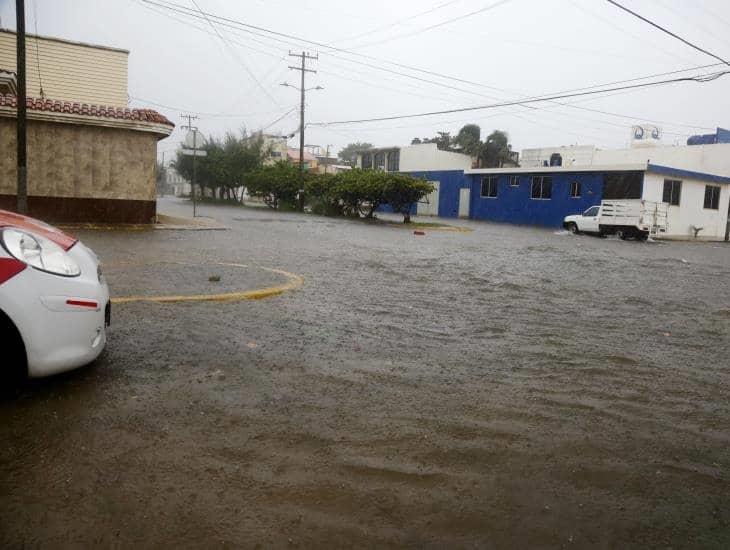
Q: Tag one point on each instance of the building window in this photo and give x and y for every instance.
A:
(575, 190)
(380, 161)
(367, 161)
(542, 187)
(275, 154)
(712, 197)
(672, 191)
(556, 159)
(489, 187)
(514, 181)
(394, 161)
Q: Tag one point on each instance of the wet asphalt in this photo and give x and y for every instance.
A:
(509, 387)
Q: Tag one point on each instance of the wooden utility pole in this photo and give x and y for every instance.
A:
(21, 138)
(304, 56)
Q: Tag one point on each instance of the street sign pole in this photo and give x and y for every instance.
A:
(194, 131)
(192, 187)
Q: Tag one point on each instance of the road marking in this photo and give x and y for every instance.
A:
(294, 281)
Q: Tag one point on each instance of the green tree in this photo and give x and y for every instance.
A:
(348, 153)
(276, 185)
(401, 192)
(226, 164)
(468, 140)
(495, 150)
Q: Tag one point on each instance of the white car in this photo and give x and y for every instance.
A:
(54, 302)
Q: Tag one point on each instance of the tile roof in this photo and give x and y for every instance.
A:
(293, 154)
(75, 108)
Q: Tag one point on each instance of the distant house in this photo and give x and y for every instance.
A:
(274, 148)
(310, 161)
(179, 185)
(90, 158)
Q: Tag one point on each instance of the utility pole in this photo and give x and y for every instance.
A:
(304, 56)
(195, 154)
(21, 138)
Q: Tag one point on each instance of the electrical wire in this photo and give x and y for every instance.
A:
(667, 31)
(235, 55)
(431, 27)
(186, 11)
(700, 78)
(37, 50)
(398, 22)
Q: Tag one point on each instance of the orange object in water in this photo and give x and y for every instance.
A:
(419, 232)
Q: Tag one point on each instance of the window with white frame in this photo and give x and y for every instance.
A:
(575, 190)
(514, 181)
(712, 197)
(380, 160)
(542, 188)
(489, 187)
(394, 161)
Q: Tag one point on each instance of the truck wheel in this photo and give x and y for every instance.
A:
(622, 234)
(573, 228)
(642, 236)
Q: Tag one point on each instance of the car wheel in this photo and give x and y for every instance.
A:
(15, 371)
(573, 228)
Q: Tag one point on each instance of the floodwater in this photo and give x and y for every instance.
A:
(507, 387)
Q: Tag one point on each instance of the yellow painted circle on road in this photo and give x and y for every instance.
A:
(293, 282)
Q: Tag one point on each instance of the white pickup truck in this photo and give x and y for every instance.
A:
(630, 218)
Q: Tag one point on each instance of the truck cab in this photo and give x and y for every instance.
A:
(587, 222)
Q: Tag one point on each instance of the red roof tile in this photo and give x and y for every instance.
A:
(56, 106)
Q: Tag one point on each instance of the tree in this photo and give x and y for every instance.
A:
(226, 164)
(401, 192)
(468, 140)
(277, 185)
(495, 150)
(348, 153)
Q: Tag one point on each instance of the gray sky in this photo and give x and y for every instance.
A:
(529, 47)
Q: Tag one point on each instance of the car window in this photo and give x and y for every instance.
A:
(592, 211)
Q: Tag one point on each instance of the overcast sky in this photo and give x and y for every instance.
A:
(509, 49)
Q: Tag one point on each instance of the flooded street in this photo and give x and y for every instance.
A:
(504, 387)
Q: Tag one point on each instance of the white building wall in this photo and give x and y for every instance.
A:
(691, 211)
(573, 155)
(710, 159)
(427, 157)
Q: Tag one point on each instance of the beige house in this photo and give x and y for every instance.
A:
(71, 71)
(90, 158)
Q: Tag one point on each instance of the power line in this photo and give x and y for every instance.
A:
(37, 50)
(232, 23)
(226, 115)
(236, 25)
(699, 78)
(667, 31)
(399, 21)
(282, 117)
(235, 55)
(431, 27)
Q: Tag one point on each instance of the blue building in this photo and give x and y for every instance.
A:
(545, 195)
